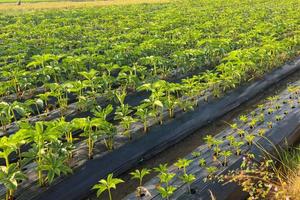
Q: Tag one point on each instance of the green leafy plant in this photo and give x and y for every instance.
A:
(211, 171)
(249, 138)
(9, 177)
(253, 123)
(243, 118)
(139, 174)
(237, 146)
(144, 113)
(167, 190)
(54, 165)
(241, 132)
(126, 123)
(202, 162)
(8, 113)
(41, 134)
(162, 168)
(196, 154)
(186, 178)
(107, 184)
(7, 147)
(261, 132)
(216, 148)
(231, 139)
(209, 140)
(226, 155)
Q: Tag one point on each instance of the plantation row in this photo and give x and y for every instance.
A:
(217, 153)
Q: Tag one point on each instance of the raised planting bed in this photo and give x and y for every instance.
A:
(72, 111)
(159, 138)
(133, 99)
(273, 123)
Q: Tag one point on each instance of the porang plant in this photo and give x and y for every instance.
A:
(107, 184)
(167, 190)
(139, 175)
(185, 177)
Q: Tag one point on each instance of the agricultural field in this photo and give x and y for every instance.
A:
(10, 7)
(95, 96)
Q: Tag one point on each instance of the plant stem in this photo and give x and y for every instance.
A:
(6, 161)
(109, 194)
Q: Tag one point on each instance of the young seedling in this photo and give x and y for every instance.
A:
(234, 126)
(162, 168)
(270, 111)
(249, 138)
(108, 184)
(217, 144)
(262, 132)
(270, 124)
(8, 113)
(54, 164)
(155, 100)
(273, 99)
(109, 131)
(261, 117)
(241, 132)
(86, 126)
(171, 102)
(7, 147)
(210, 170)
(253, 123)
(102, 113)
(231, 139)
(126, 123)
(261, 107)
(37, 103)
(202, 162)
(196, 154)
(10, 176)
(144, 113)
(226, 155)
(278, 117)
(253, 113)
(139, 174)
(186, 178)
(168, 190)
(66, 128)
(41, 134)
(45, 98)
(209, 140)
(217, 151)
(237, 146)
(186, 105)
(122, 111)
(243, 118)
(183, 164)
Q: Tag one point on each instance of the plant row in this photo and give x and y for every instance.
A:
(215, 155)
